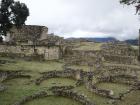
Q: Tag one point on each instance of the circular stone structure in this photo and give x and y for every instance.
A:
(53, 100)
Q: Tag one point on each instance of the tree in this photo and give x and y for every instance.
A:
(136, 3)
(1, 39)
(12, 13)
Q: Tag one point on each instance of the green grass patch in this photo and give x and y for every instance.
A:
(115, 87)
(98, 100)
(86, 46)
(54, 100)
(58, 82)
(33, 66)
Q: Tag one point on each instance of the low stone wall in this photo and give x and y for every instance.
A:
(6, 75)
(114, 70)
(74, 74)
(125, 79)
(74, 95)
(92, 88)
(123, 68)
(78, 57)
(2, 88)
(101, 92)
(61, 88)
(121, 59)
(56, 92)
(6, 61)
(26, 99)
(119, 49)
(136, 86)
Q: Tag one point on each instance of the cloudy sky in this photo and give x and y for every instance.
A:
(84, 18)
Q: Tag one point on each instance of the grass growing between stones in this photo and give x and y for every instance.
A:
(33, 66)
(98, 100)
(54, 100)
(18, 88)
(115, 87)
(86, 46)
(131, 99)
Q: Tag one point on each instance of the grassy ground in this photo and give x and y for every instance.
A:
(18, 88)
(33, 65)
(86, 46)
(50, 101)
(115, 87)
(98, 100)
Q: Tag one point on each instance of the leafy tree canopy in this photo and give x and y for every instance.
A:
(12, 13)
(136, 3)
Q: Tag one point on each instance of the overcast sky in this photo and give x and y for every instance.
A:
(84, 18)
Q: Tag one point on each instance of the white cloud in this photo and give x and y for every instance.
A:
(84, 18)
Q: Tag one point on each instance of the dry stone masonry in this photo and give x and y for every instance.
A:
(30, 41)
(7, 75)
(2, 88)
(120, 53)
(26, 99)
(74, 95)
(73, 74)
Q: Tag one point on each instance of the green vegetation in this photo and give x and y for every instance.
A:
(12, 13)
(18, 88)
(58, 82)
(92, 96)
(33, 66)
(86, 46)
(115, 87)
(50, 101)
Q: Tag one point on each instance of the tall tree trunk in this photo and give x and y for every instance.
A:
(139, 46)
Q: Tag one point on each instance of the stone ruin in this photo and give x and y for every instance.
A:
(92, 88)
(27, 34)
(26, 99)
(2, 88)
(61, 88)
(30, 41)
(121, 74)
(120, 53)
(7, 75)
(70, 73)
(64, 91)
(73, 74)
(74, 95)
(56, 92)
(85, 58)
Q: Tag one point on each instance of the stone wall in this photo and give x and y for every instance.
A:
(119, 49)
(119, 74)
(121, 59)
(2, 88)
(26, 99)
(27, 33)
(7, 75)
(56, 92)
(120, 53)
(74, 95)
(73, 74)
(49, 53)
(84, 57)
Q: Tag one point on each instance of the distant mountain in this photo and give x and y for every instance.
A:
(100, 40)
(132, 41)
(108, 39)
(76, 40)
